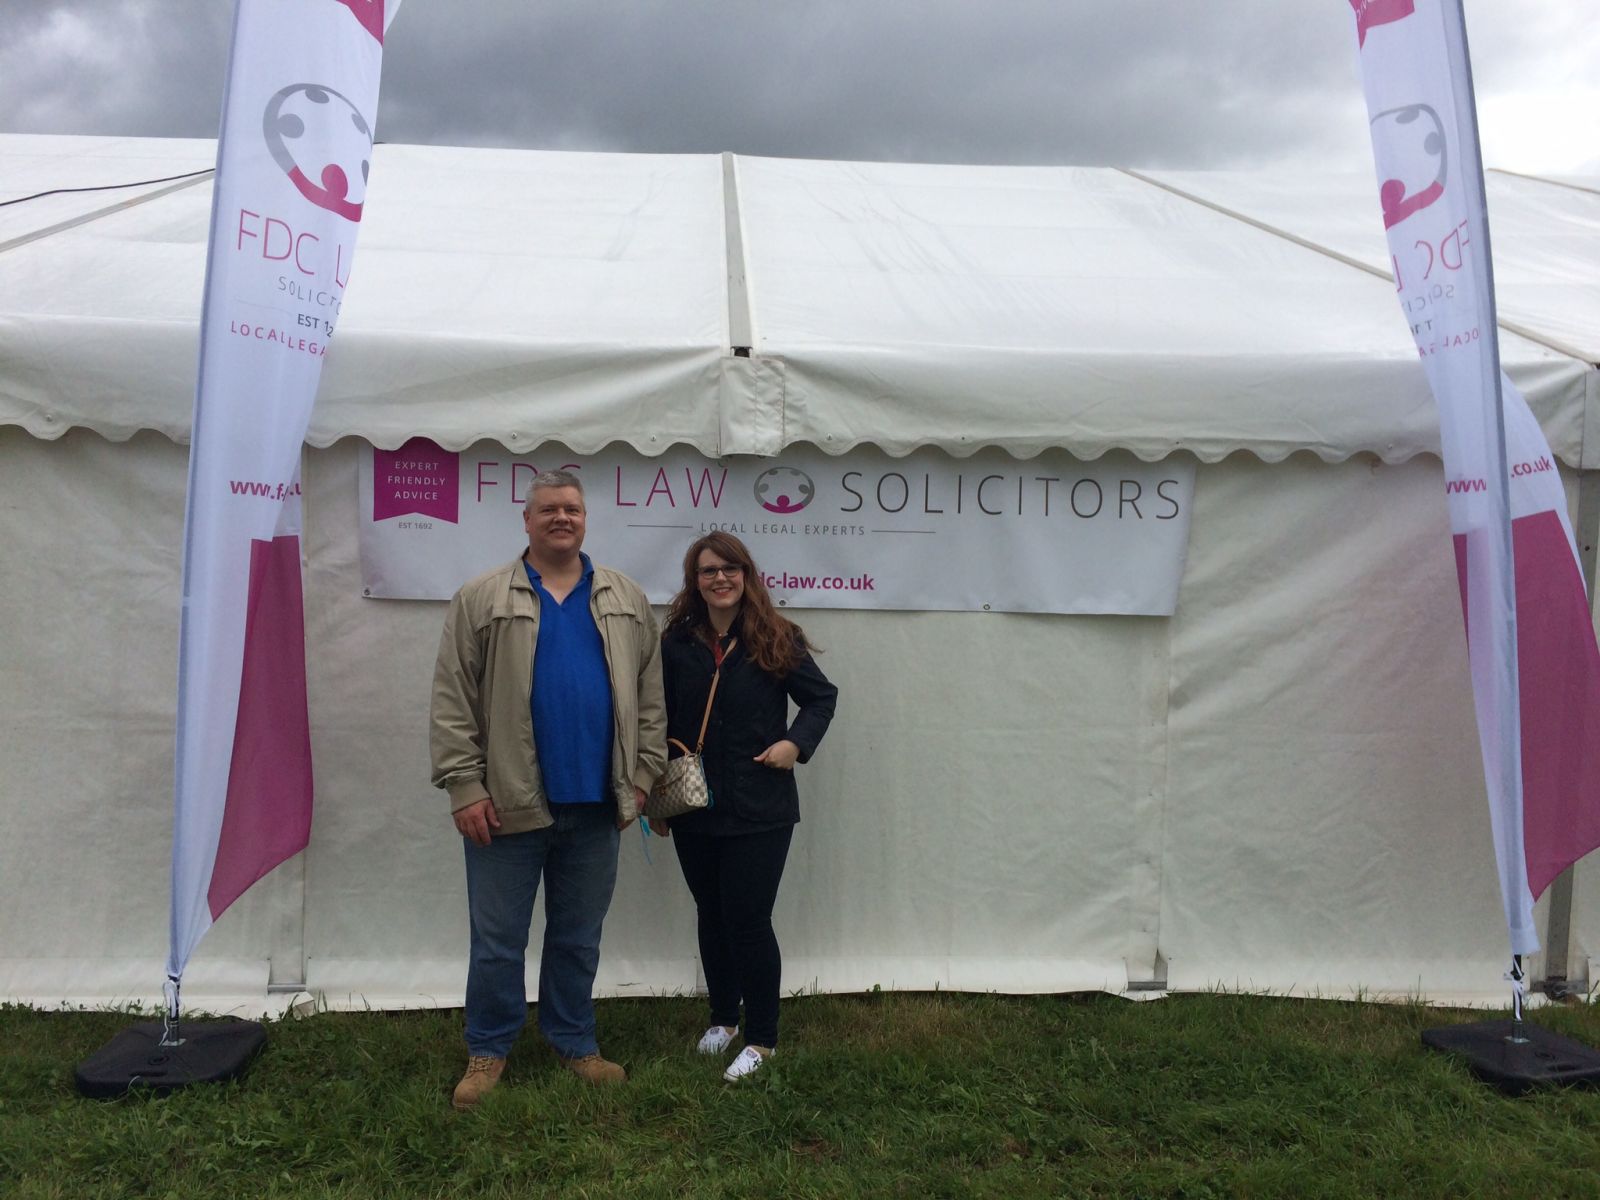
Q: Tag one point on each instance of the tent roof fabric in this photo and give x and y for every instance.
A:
(1546, 237)
(535, 296)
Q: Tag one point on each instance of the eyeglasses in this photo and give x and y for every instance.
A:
(731, 571)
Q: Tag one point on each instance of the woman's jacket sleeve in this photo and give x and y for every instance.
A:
(809, 688)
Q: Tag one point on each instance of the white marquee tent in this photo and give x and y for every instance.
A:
(1275, 789)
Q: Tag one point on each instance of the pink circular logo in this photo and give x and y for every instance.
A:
(784, 490)
(323, 144)
(1413, 160)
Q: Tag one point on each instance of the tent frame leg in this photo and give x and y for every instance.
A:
(1558, 940)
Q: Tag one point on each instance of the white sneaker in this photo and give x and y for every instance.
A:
(747, 1062)
(715, 1040)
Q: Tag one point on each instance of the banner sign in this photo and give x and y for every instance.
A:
(293, 156)
(1534, 661)
(862, 530)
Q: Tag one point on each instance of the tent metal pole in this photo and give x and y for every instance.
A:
(1516, 975)
(1558, 936)
(740, 328)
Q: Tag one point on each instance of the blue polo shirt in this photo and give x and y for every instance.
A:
(571, 696)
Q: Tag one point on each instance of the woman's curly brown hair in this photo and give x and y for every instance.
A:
(772, 641)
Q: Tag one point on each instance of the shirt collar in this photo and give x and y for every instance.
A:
(535, 577)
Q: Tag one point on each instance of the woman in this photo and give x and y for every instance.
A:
(723, 624)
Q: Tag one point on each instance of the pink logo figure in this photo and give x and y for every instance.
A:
(1378, 12)
(784, 490)
(369, 13)
(419, 478)
(323, 144)
(1412, 160)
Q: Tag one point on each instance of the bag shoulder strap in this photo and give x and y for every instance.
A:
(700, 742)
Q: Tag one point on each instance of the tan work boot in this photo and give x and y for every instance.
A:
(482, 1074)
(591, 1068)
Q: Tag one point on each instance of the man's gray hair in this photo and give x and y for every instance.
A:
(551, 479)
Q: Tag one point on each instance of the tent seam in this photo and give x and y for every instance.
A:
(1576, 187)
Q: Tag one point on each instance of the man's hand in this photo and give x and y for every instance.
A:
(780, 756)
(476, 820)
(638, 805)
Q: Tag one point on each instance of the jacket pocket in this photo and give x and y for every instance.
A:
(608, 605)
(514, 604)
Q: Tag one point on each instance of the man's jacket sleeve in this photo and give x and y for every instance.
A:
(456, 733)
(652, 710)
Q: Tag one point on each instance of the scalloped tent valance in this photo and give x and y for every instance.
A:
(742, 305)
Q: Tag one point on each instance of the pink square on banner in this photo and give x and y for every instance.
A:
(419, 478)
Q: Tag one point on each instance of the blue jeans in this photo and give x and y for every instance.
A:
(578, 858)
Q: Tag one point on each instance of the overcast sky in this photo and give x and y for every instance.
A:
(1143, 83)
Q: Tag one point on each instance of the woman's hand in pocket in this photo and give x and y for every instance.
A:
(780, 756)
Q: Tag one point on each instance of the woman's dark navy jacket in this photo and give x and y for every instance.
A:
(750, 713)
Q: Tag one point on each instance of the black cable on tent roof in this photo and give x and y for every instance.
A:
(105, 187)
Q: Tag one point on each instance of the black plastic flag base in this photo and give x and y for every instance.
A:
(1540, 1060)
(135, 1060)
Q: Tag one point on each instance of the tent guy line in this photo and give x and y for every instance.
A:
(86, 218)
(105, 187)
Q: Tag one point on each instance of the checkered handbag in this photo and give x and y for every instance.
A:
(682, 787)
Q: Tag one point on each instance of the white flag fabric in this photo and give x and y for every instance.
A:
(1534, 662)
(292, 162)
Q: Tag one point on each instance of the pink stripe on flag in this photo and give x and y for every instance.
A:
(267, 818)
(370, 14)
(1558, 678)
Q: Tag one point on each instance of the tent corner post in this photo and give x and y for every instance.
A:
(1157, 982)
(1558, 938)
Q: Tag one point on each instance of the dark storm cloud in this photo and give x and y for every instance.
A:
(1175, 83)
(950, 81)
(113, 67)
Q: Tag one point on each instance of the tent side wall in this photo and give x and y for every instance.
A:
(89, 600)
(1327, 827)
(1276, 789)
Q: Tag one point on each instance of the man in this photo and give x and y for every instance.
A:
(548, 727)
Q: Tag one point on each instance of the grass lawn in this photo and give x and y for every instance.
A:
(882, 1095)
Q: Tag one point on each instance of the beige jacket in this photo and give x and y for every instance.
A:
(481, 735)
